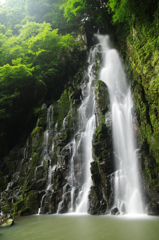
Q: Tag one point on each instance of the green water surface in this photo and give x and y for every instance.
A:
(82, 227)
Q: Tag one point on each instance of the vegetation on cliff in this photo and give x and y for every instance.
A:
(137, 32)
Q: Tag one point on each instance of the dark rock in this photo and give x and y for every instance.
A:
(97, 205)
(64, 206)
(24, 169)
(36, 185)
(76, 94)
(50, 203)
(153, 208)
(40, 184)
(25, 212)
(102, 99)
(31, 202)
(39, 172)
(115, 211)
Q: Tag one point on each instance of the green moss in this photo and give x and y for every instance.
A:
(7, 209)
(8, 223)
(143, 59)
(18, 206)
(39, 122)
(36, 131)
(102, 99)
(100, 131)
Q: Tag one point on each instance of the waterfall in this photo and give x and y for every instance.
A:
(125, 180)
(48, 150)
(80, 148)
(86, 131)
(127, 193)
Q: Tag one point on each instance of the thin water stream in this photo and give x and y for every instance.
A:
(71, 227)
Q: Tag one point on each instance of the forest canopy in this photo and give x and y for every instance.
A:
(37, 58)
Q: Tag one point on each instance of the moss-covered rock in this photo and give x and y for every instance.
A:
(102, 99)
(100, 195)
(153, 208)
(31, 202)
(141, 56)
(8, 223)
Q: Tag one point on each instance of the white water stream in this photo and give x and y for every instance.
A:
(81, 146)
(126, 181)
(47, 153)
(86, 131)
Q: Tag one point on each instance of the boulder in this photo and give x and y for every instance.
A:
(115, 211)
(8, 223)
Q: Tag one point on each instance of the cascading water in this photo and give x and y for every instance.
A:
(79, 178)
(87, 127)
(127, 194)
(47, 153)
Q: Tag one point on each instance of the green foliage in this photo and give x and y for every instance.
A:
(73, 7)
(18, 206)
(90, 13)
(132, 11)
(7, 208)
(33, 65)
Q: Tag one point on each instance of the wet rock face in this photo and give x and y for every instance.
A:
(49, 203)
(149, 173)
(97, 203)
(153, 208)
(100, 197)
(22, 184)
(31, 202)
(39, 172)
(148, 137)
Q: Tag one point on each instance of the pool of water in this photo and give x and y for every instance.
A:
(82, 227)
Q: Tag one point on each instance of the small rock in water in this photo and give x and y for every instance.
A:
(8, 223)
(115, 211)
